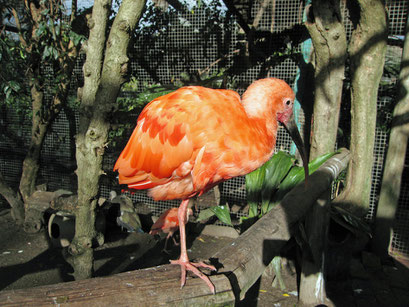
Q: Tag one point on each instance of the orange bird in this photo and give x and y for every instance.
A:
(168, 223)
(190, 140)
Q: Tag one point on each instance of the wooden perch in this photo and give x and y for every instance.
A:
(243, 262)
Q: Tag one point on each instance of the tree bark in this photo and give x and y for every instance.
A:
(104, 73)
(330, 46)
(15, 201)
(395, 159)
(39, 127)
(367, 51)
(330, 51)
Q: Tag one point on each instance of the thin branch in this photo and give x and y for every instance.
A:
(18, 25)
(73, 10)
(273, 13)
(260, 13)
(201, 72)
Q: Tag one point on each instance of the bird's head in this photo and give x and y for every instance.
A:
(284, 102)
(277, 96)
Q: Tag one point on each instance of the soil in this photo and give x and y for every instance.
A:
(30, 260)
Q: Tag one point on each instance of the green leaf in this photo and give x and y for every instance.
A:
(254, 184)
(76, 38)
(57, 29)
(47, 51)
(22, 55)
(55, 53)
(222, 213)
(253, 209)
(42, 28)
(296, 175)
(7, 91)
(15, 86)
(275, 170)
(205, 215)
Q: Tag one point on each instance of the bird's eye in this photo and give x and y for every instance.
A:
(287, 102)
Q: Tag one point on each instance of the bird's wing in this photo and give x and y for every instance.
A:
(168, 137)
(166, 221)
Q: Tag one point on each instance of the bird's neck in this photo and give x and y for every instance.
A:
(257, 102)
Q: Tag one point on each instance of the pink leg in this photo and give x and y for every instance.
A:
(183, 261)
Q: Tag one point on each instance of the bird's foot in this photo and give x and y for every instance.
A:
(193, 267)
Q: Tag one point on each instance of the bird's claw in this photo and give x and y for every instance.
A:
(193, 267)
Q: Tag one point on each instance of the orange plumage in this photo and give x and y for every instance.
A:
(168, 223)
(188, 141)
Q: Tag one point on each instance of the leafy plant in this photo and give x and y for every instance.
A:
(13, 91)
(267, 185)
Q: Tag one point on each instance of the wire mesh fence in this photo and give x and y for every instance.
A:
(204, 43)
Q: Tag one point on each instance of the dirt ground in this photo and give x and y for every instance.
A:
(31, 260)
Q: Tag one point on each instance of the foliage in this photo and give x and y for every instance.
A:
(222, 212)
(41, 44)
(268, 184)
(13, 90)
(155, 40)
(140, 94)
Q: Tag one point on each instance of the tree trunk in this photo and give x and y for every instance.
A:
(101, 86)
(330, 51)
(395, 159)
(330, 46)
(15, 201)
(367, 56)
(38, 130)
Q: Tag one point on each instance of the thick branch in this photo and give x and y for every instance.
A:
(14, 199)
(330, 46)
(367, 53)
(101, 87)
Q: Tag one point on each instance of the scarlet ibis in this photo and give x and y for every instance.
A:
(188, 141)
(168, 223)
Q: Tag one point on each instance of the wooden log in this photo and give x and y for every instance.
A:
(157, 286)
(243, 262)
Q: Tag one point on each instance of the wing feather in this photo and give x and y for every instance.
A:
(186, 142)
(158, 146)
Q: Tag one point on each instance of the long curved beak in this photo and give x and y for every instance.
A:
(292, 129)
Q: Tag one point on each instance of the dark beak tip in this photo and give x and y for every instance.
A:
(292, 129)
